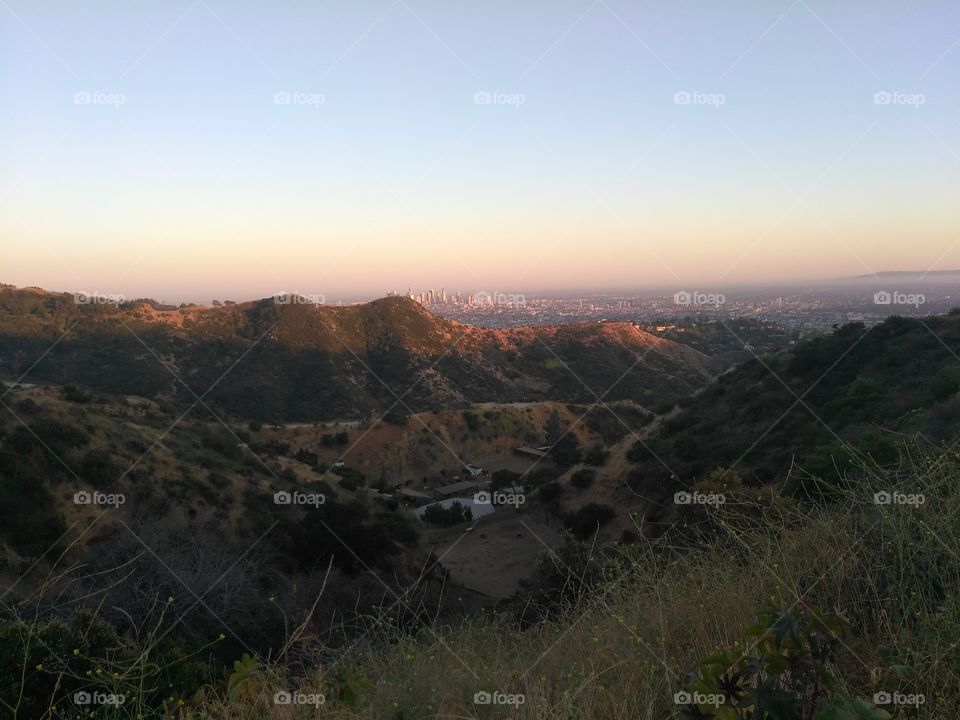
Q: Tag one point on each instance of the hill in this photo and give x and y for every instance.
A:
(816, 410)
(358, 600)
(280, 361)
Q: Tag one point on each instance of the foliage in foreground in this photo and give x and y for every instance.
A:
(656, 620)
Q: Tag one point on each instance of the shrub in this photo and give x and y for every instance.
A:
(551, 491)
(566, 451)
(583, 478)
(97, 468)
(784, 674)
(597, 455)
(587, 520)
(504, 478)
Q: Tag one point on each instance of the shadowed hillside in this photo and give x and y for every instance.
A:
(818, 410)
(299, 361)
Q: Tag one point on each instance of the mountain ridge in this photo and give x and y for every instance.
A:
(293, 360)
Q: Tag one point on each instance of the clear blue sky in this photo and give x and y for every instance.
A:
(183, 178)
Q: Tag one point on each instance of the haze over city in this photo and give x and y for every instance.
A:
(202, 149)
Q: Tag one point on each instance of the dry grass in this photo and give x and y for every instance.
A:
(622, 649)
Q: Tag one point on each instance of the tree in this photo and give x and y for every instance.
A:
(587, 520)
(566, 451)
(552, 429)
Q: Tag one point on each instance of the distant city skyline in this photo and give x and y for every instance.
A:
(202, 149)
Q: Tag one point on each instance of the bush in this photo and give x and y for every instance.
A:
(566, 451)
(71, 393)
(785, 673)
(504, 478)
(587, 520)
(551, 491)
(583, 478)
(97, 468)
(596, 455)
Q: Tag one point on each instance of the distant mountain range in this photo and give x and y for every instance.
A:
(289, 359)
(913, 277)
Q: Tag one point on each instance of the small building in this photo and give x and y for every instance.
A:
(478, 509)
(529, 452)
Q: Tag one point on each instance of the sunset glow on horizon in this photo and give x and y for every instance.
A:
(199, 149)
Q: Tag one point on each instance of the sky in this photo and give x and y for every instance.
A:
(194, 149)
